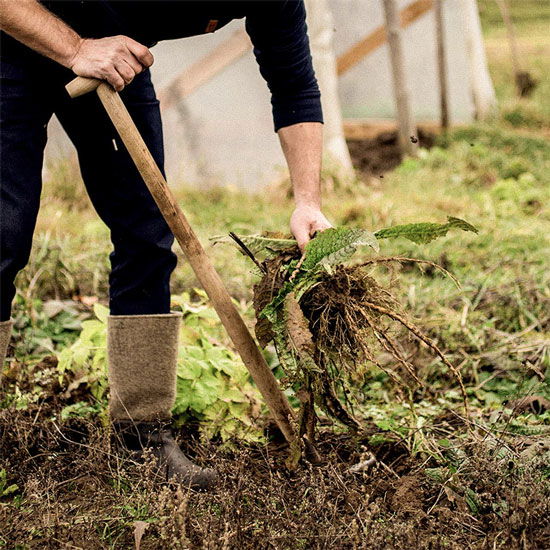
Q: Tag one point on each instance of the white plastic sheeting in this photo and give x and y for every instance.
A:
(223, 132)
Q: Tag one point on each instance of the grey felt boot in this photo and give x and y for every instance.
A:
(142, 353)
(5, 333)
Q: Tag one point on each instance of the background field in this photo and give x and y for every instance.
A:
(442, 479)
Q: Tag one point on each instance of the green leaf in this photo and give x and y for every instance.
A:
(80, 409)
(198, 402)
(190, 368)
(232, 368)
(6, 489)
(270, 311)
(424, 232)
(208, 387)
(335, 246)
(437, 474)
(233, 395)
(191, 352)
(94, 331)
(80, 353)
(101, 312)
(183, 394)
(258, 243)
(239, 411)
(472, 500)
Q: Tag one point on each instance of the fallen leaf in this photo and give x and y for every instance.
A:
(139, 529)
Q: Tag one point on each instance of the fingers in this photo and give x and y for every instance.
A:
(125, 71)
(116, 59)
(320, 226)
(314, 228)
(305, 222)
(134, 64)
(114, 79)
(135, 58)
(141, 53)
(320, 222)
(302, 236)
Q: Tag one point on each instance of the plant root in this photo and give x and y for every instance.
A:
(334, 330)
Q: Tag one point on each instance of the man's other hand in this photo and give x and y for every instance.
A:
(116, 59)
(305, 221)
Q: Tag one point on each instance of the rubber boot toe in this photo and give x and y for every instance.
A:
(155, 437)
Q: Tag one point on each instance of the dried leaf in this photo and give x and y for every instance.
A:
(139, 529)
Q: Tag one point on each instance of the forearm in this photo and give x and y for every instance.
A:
(302, 146)
(116, 59)
(30, 23)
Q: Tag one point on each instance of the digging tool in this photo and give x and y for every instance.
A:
(192, 248)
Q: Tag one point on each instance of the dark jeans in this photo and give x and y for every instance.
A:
(31, 90)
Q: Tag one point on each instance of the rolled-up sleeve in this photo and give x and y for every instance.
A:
(279, 34)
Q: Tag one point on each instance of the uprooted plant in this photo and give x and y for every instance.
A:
(329, 319)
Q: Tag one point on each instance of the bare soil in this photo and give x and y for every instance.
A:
(374, 157)
(75, 492)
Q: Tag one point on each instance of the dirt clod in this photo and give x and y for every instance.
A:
(408, 499)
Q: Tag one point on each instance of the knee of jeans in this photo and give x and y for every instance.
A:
(151, 239)
(150, 256)
(161, 256)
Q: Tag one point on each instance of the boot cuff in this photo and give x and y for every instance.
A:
(147, 316)
(143, 351)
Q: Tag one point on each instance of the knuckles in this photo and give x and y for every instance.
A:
(100, 58)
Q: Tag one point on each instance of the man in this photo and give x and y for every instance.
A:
(44, 45)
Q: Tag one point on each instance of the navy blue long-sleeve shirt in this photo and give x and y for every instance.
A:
(277, 29)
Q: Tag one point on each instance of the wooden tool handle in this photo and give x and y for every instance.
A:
(80, 86)
(204, 270)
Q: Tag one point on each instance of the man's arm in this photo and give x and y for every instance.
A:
(281, 47)
(116, 59)
(302, 145)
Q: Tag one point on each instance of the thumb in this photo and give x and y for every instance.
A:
(302, 236)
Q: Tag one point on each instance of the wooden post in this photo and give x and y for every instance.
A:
(511, 32)
(524, 81)
(483, 93)
(407, 130)
(378, 37)
(442, 64)
(321, 30)
(206, 68)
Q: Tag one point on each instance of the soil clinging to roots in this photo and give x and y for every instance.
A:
(352, 319)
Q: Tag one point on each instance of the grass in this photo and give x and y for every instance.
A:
(440, 479)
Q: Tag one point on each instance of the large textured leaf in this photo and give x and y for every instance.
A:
(425, 232)
(335, 246)
(269, 312)
(282, 345)
(268, 243)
